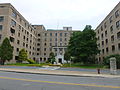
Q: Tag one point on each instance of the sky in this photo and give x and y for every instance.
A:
(55, 14)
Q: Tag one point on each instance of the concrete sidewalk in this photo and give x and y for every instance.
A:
(58, 72)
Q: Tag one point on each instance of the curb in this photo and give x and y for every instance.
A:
(82, 75)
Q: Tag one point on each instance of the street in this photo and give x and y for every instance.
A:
(22, 81)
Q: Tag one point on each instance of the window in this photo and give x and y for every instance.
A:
(38, 34)
(13, 23)
(18, 42)
(24, 37)
(106, 41)
(0, 36)
(44, 49)
(19, 27)
(60, 44)
(50, 44)
(38, 44)
(14, 14)
(110, 19)
(26, 45)
(107, 50)
(65, 39)
(45, 34)
(113, 48)
(118, 35)
(38, 39)
(23, 44)
(118, 46)
(37, 53)
(45, 44)
(112, 38)
(12, 39)
(117, 13)
(1, 27)
(17, 49)
(27, 39)
(98, 31)
(45, 54)
(103, 51)
(101, 28)
(55, 39)
(106, 33)
(60, 49)
(50, 34)
(111, 29)
(12, 30)
(55, 34)
(38, 49)
(60, 39)
(1, 18)
(18, 34)
(105, 25)
(61, 34)
(102, 36)
(117, 24)
(65, 34)
(50, 39)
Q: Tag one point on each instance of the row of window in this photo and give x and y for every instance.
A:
(117, 14)
(15, 16)
(112, 37)
(55, 34)
(56, 44)
(13, 24)
(112, 48)
(30, 53)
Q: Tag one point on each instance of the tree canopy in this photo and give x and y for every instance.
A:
(52, 57)
(82, 45)
(6, 51)
(22, 56)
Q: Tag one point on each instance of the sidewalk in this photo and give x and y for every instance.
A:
(58, 72)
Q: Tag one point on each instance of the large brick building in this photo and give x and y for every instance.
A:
(108, 34)
(36, 40)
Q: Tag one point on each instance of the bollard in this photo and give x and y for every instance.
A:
(98, 70)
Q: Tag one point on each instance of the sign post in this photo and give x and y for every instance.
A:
(113, 67)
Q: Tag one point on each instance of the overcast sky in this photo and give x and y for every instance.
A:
(53, 13)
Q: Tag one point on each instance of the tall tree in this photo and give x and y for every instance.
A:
(83, 45)
(6, 51)
(22, 56)
(52, 57)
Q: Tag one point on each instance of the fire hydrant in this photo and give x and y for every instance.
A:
(98, 70)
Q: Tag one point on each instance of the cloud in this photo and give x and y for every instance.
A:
(76, 13)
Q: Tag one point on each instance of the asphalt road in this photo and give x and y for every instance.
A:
(22, 81)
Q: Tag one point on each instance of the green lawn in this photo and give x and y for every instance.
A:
(24, 64)
(78, 65)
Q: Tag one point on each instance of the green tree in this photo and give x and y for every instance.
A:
(67, 56)
(52, 57)
(106, 60)
(23, 56)
(83, 46)
(6, 51)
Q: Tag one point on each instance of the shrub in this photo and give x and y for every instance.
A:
(106, 61)
(31, 61)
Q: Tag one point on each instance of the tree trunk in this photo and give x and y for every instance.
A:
(2, 62)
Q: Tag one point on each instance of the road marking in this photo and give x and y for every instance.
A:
(91, 85)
